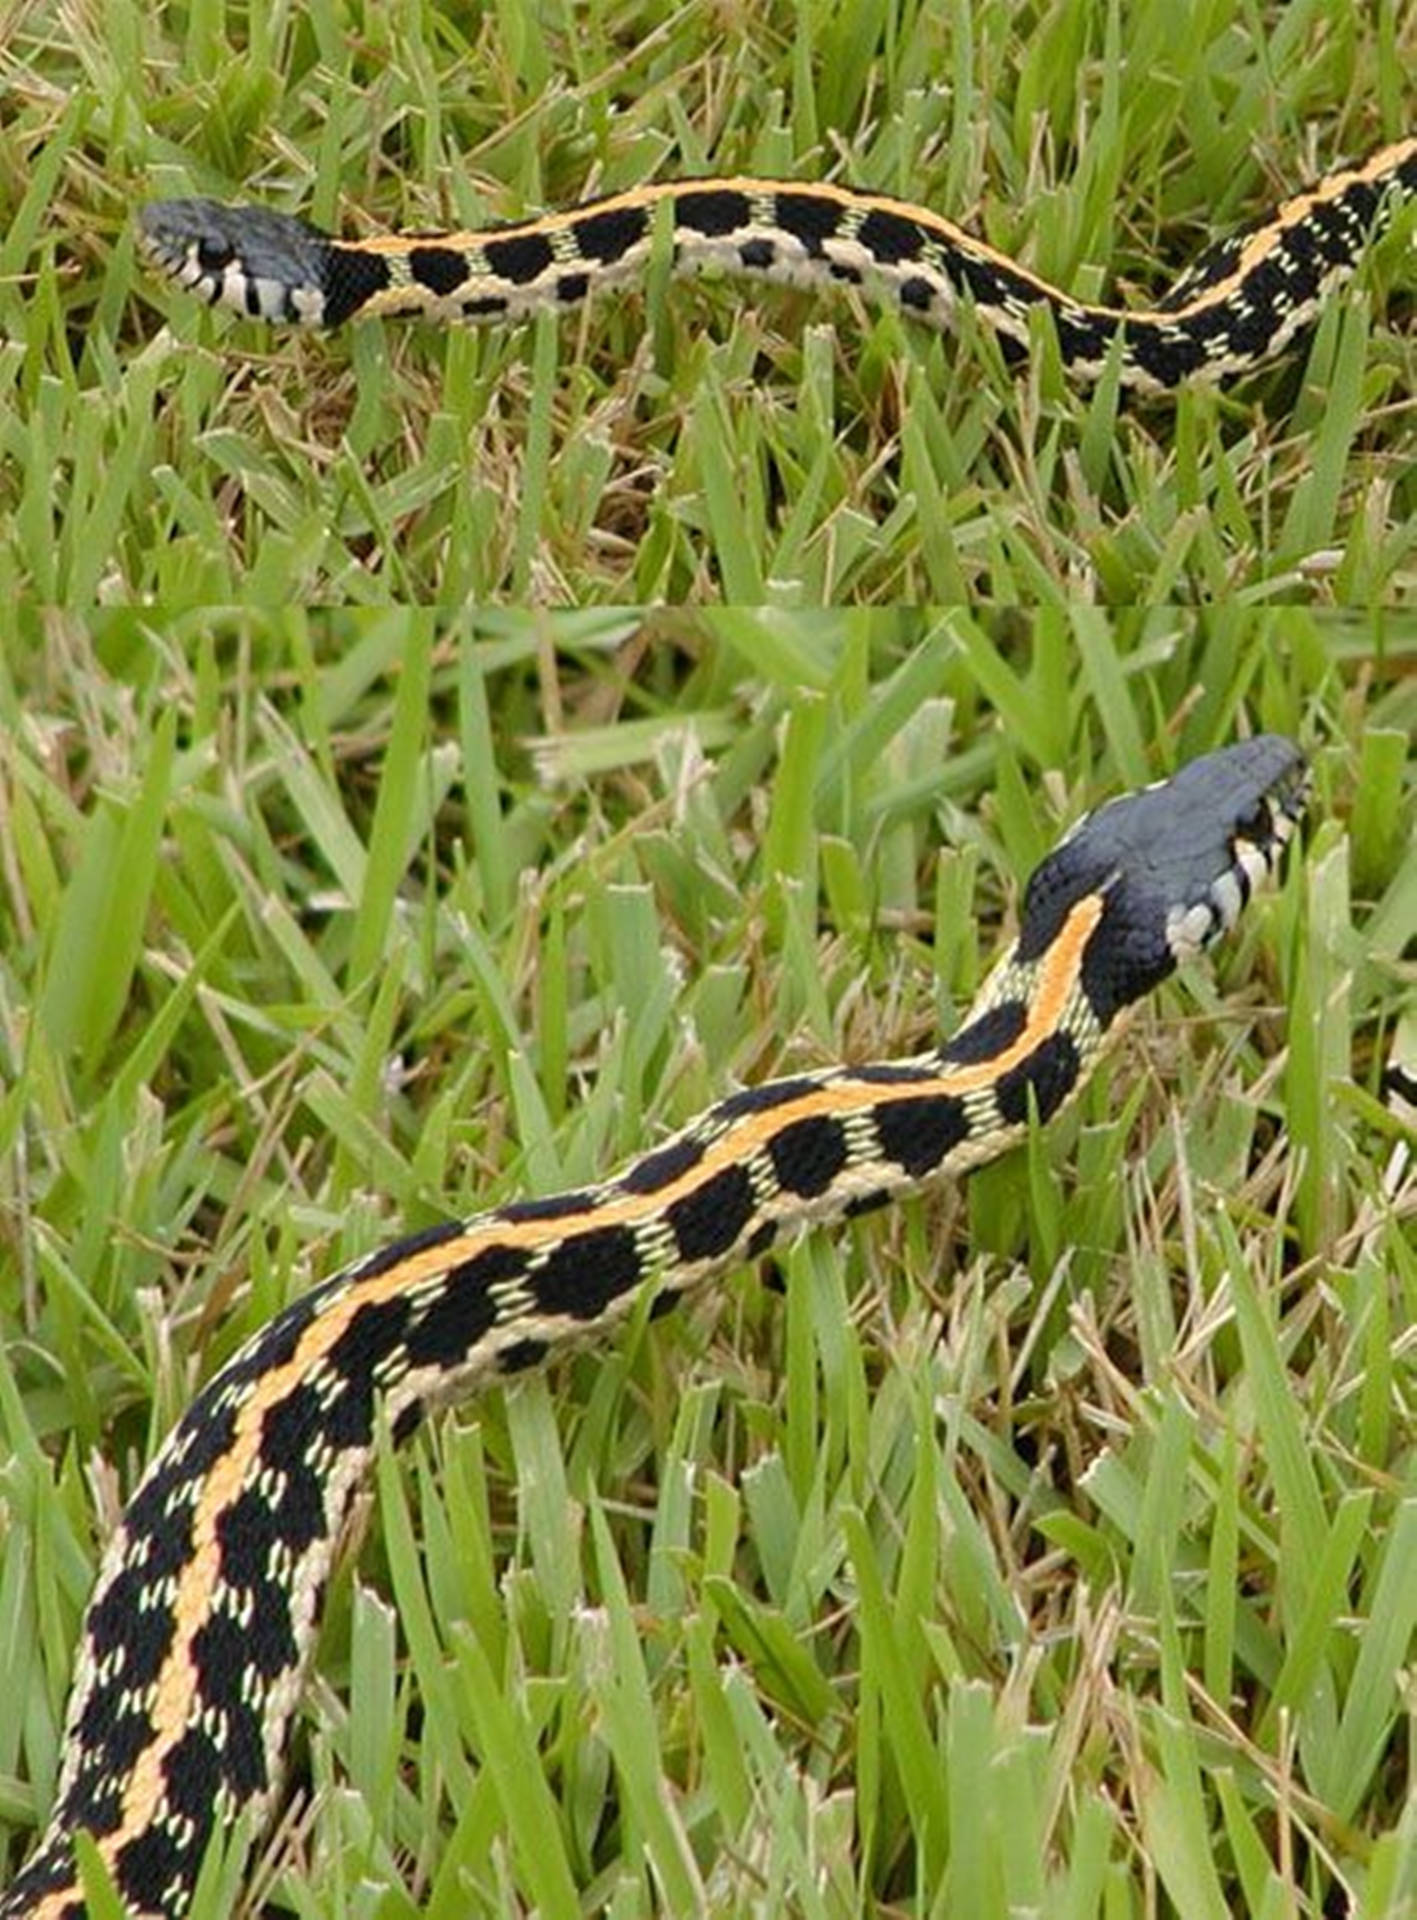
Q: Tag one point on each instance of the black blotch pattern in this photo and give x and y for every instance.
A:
(246, 1530)
(1082, 337)
(247, 1533)
(349, 1414)
(917, 294)
(983, 280)
(94, 1801)
(1328, 234)
(204, 1436)
(166, 1536)
(1167, 360)
(196, 1765)
(351, 278)
(288, 1425)
(119, 1736)
(483, 306)
(219, 1649)
(868, 1203)
(192, 1774)
(1051, 1070)
(400, 1250)
(522, 1354)
(286, 1432)
(520, 257)
(146, 1865)
(986, 1037)
(120, 1618)
(664, 1302)
(455, 1319)
(552, 1206)
(761, 1240)
(808, 1154)
(757, 253)
(586, 1272)
(707, 1222)
(917, 1134)
(716, 211)
(571, 287)
(890, 237)
(663, 1166)
(441, 269)
(851, 275)
(143, 1631)
(609, 234)
(808, 219)
(375, 1329)
(772, 1093)
(275, 1343)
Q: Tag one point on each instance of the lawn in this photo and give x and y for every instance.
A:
(1043, 1545)
(707, 442)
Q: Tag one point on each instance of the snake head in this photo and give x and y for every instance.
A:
(265, 264)
(1172, 864)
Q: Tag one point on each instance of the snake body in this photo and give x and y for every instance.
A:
(1240, 304)
(199, 1633)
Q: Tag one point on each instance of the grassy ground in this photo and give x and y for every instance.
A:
(1049, 1545)
(699, 444)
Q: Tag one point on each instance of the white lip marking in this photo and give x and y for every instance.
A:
(1188, 929)
(1252, 859)
(1227, 899)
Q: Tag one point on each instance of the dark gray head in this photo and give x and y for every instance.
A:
(1174, 865)
(268, 265)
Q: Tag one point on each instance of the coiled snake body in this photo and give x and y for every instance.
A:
(202, 1621)
(1240, 304)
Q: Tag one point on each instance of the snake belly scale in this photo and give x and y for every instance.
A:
(200, 1630)
(1240, 304)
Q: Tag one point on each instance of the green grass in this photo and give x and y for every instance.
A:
(1046, 1544)
(705, 442)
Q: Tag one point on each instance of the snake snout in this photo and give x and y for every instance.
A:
(264, 264)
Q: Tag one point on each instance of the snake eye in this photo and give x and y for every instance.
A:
(214, 256)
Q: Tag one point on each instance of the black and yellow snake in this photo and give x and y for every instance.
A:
(1242, 302)
(201, 1625)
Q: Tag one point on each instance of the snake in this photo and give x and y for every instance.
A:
(1240, 304)
(199, 1633)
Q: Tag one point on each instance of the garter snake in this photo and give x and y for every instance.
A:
(1240, 304)
(200, 1630)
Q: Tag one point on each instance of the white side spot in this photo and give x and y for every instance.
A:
(1227, 899)
(1252, 859)
(1189, 928)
